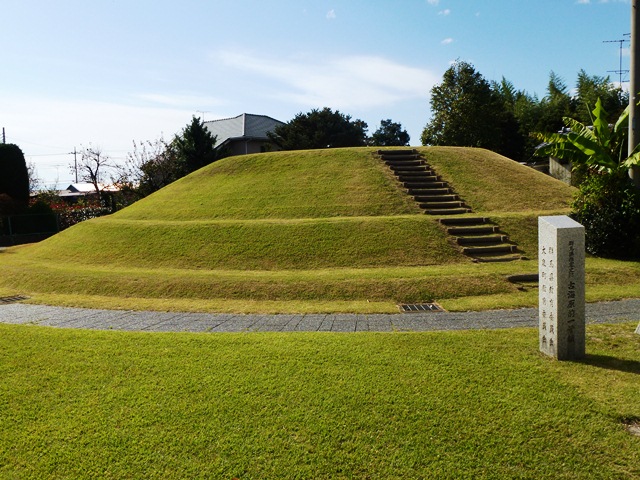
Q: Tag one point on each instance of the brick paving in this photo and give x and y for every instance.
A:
(94, 319)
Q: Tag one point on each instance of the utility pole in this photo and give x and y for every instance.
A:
(634, 67)
(4, 137)
(75, 162)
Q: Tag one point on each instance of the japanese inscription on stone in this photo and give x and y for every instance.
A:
(561, 287)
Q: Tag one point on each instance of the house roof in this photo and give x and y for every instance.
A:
(86, 188)
(245, 126)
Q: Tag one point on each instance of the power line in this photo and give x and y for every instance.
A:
(47, 154)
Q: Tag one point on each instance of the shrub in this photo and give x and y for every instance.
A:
(609, 208)
(14, 176)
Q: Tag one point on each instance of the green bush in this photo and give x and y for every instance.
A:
(14, 176)
(609, 208)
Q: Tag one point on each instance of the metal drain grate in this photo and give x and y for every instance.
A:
(420, 307)
(17, 298)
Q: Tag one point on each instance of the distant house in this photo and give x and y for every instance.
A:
(243, 134)
(79, 190)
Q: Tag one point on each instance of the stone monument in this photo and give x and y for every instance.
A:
(561, 287)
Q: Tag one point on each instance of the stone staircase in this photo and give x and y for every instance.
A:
(477, 237)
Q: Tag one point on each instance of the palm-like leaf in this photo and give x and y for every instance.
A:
(601, 125)
(599, 147)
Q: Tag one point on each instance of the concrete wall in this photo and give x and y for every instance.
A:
(243, 147)
(561, 171)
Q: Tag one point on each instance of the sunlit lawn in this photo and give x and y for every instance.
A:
(84, 404)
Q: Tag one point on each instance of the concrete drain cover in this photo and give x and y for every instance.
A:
(420, 307)
(17, 298)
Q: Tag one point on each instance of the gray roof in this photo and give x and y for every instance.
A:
(243, 126)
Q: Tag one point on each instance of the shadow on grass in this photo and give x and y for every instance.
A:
(612, 363)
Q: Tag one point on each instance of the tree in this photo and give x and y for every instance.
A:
(555, 106)
(34, 181)
(468, 113)
(196, 147)
(92, 168)
(591, 88)
(608, 204)
(526, 110)
(390, 134)
(14, 178)
(320, 129)
(151, 166)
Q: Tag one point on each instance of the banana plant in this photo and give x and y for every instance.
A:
(600, 147)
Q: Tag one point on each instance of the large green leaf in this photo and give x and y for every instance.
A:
(561, 150)
(622, 125)
(588, 146)
(579, 128)
(601, 124)
(634, 159)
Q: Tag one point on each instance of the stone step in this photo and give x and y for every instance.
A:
(419, 177)
(427, 176)
(400, 151)
(480, 240)
(434, 205)
(416, 192)
(420, 185)
(524, 278)
(488, 250)
(401, 158)
(413, 175)
(473, 230)
(494, 258)
(477, 237)
(464, 221)
(445, 197)
(449, 211)
(405, 163)
(410, 169)
(418, 167)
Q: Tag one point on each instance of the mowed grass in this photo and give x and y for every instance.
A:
(283, 185)
(484, 404)
(493, 184)
(326, 231)
(252, 244)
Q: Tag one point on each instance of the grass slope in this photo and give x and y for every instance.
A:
(282, 185)
(486, 404)
(328, 226)
(494, 184)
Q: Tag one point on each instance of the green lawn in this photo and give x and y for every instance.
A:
(483, 404)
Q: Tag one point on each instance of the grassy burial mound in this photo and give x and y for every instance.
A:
(325, 230)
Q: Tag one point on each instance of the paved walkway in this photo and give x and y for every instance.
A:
(18, 313)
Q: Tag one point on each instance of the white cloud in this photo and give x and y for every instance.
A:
(181, 101)
(331, 15)
(338, 82)
(433, 2)
(447, 41)
(444, 12)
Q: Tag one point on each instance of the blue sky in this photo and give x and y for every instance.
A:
(108, 72)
